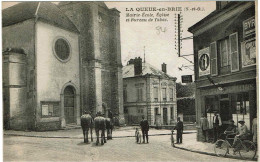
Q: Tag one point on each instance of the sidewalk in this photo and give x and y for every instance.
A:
(121, 132)
(190, 143)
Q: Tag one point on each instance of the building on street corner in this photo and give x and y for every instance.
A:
(59, 60)
(225, 64)
(149, 92)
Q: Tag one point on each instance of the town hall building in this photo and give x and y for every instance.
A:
(148, 92)
(58, 61)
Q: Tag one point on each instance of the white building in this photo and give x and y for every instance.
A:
(149, 92)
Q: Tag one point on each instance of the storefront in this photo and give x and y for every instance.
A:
(225, 65)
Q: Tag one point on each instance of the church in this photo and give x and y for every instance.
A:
(58, 61)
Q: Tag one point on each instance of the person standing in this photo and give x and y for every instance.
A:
(216, 123)
(145, 128)
(204, 125)
(179, 128)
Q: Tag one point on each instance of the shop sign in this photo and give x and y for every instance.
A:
(249, 27)
(204, 61)
(248, 50)
(186, 78)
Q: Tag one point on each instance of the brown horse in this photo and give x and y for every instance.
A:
(109, 127)
(100, 125)
(86, 124)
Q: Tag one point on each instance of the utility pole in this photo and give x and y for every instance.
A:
(144, 54)
(179, 35)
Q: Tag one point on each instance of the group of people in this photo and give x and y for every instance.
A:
(145, 128)
(240, 132)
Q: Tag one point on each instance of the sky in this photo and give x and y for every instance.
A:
(159, 46)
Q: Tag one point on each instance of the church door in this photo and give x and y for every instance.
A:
(69, 104)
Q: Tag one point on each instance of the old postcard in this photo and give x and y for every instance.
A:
(130, 81)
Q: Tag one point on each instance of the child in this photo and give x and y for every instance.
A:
(137, 136)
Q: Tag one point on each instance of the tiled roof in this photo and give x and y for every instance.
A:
(128, 71)
(47, 12)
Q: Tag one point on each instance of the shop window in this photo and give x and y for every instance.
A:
(164, 94)
(50, 109)
(155, 93)
(240, 108)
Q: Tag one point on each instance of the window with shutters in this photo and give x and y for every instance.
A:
(224, 55)
(164, 94)
(155, 94)
(234, 56)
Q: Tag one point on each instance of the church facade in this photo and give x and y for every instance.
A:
(58, 61)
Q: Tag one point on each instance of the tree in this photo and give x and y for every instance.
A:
(187, 90)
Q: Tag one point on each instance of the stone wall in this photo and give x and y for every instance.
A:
(21, 36)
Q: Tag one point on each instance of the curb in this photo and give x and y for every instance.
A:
(39, 136)
(213, 154)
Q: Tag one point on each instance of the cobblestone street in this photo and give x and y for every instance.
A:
(20, 148)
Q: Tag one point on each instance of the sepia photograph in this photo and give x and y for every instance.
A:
(130, 81)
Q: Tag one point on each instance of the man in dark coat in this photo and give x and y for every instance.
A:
(179, 128)
(145, 128)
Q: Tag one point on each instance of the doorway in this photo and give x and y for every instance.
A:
(225, 110)
(69, 104)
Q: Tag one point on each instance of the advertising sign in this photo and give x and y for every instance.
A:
(204, 61)
(248, 50)
(249, 27)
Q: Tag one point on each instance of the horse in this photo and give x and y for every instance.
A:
(86, 124)
(109, 127)
(100, 124)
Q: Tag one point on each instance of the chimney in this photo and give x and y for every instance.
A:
(138, 66)
(164, 68)
(131, 61)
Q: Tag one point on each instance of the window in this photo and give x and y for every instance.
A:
(171, 94)
(139, 94)
(50, 109)
(224, 54)
(62, 49)
(172, 112)
(156, 111)
(240, 108)
(125, 110)
(140, 111)
(155, 93)
(164, 94)
(227, 50)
